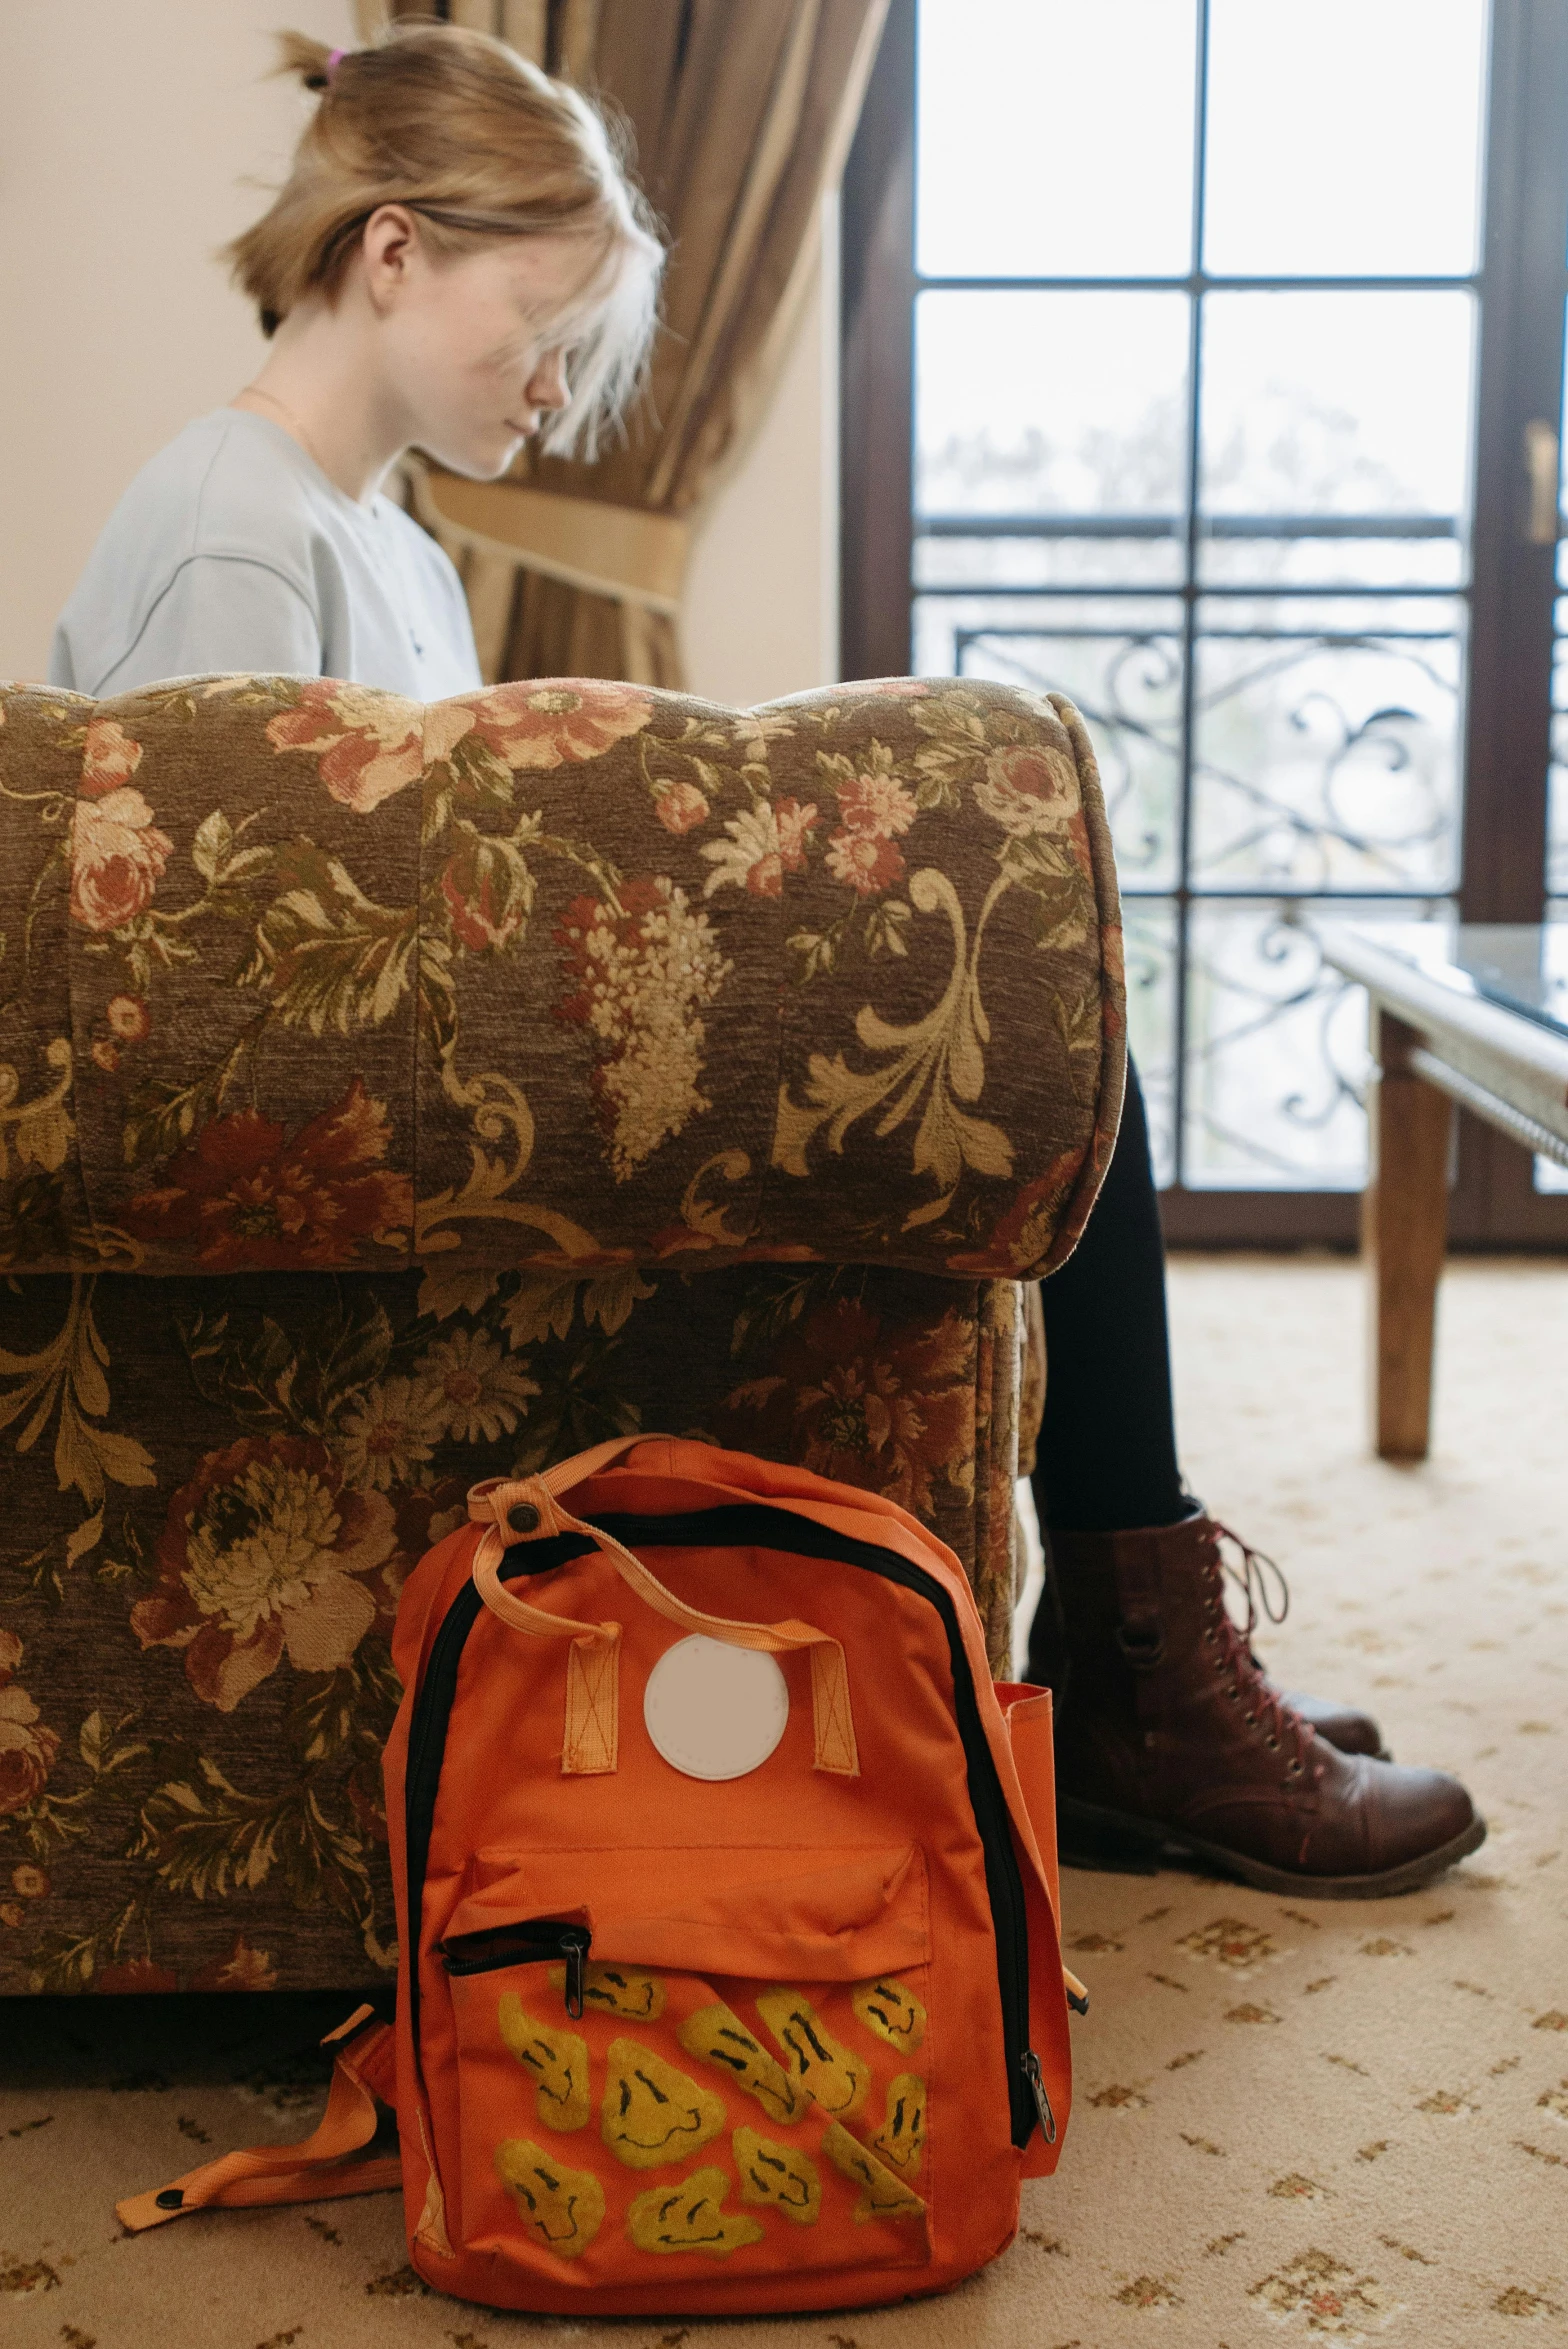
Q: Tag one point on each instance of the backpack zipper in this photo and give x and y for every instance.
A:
(1029, 2064)
(522, 1944)
(756, 1525)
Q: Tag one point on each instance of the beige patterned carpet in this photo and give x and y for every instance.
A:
(1295, 2122)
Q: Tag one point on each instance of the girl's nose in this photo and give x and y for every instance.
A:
(548, 387)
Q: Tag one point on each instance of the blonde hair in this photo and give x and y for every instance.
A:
(478, 144)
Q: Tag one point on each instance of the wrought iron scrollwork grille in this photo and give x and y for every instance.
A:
(1271, 742)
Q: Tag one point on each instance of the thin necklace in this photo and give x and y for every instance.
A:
(254, 391)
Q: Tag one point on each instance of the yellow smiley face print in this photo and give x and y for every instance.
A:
(890, 2009)
(882, 2196)
(652, 2112)
(691, 2217)
(624, 1991)
(833, 2074)
(715, 2035)
(901, 2139)
(561, 2209)
(781, 2176)
(556, 2060)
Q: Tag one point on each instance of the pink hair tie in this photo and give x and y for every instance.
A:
(332, 62)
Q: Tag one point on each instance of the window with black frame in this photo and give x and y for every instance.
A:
(1219, 334)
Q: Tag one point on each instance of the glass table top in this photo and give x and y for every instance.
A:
(1521, 965)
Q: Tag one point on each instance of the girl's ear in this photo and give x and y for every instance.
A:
(389, 248)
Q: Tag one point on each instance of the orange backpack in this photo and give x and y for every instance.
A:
(730, 1976)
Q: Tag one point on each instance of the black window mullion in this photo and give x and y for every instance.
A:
(1524, 228)
(876, 366)
(1524, 224)
(1180, 1008)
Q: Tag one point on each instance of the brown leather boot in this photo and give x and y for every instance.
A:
(1170, 1739)
(1353, 1731)
(1267, 1593)
(1347, 1726)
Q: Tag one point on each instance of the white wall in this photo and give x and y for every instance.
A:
(761, 612)
(128, 128)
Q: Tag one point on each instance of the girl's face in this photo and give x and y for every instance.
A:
(474, 348)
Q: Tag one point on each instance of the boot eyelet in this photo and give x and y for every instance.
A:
(1272, 1742)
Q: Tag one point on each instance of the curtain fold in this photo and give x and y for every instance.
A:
(742, 112)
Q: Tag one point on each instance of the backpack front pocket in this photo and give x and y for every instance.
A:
(726, 2063)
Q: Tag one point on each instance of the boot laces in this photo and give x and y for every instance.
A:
(1251, 1579)
(1266, 1600)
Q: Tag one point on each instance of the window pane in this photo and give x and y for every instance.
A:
(1149, 933)
(1557, 775)
(1126, 683)
(1336, 403)
(1055, 139)
(1277, 1051)
(1549, 1176)
(947, 628)
(1020, 562)
(1238, 558)
(1050, 403)
(1344, 139)
(1326, 757)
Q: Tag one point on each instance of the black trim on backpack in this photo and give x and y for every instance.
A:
(749, 1525)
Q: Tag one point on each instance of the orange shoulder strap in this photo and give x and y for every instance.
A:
(315, 2170)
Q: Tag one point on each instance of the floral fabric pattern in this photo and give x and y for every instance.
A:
(553, 722)
(264, 1550)
(558, 970)
(460, 1070)
(27, 1750)
(249, 1197)
(864, 1406)
(367, 745)
(640, 977)
(117, 852)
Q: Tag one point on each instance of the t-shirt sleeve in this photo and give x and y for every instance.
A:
(218, 613)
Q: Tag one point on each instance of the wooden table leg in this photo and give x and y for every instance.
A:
(1404, 1229)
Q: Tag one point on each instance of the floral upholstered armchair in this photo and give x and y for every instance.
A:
(395, 1095)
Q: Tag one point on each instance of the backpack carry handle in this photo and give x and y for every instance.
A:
(522, 1509)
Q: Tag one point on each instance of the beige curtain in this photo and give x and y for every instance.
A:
(525, 23)
(742, 111)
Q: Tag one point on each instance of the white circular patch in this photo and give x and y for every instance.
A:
(714, 1711)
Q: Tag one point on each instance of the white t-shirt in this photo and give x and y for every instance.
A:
(231, 549)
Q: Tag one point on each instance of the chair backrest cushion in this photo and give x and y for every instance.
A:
(306, 977)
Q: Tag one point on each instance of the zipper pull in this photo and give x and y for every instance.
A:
(574, 1943)
(1042, 2103)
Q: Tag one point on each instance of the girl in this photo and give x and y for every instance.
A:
(459, 261)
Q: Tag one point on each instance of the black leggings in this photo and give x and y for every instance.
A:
(1106, 1459)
